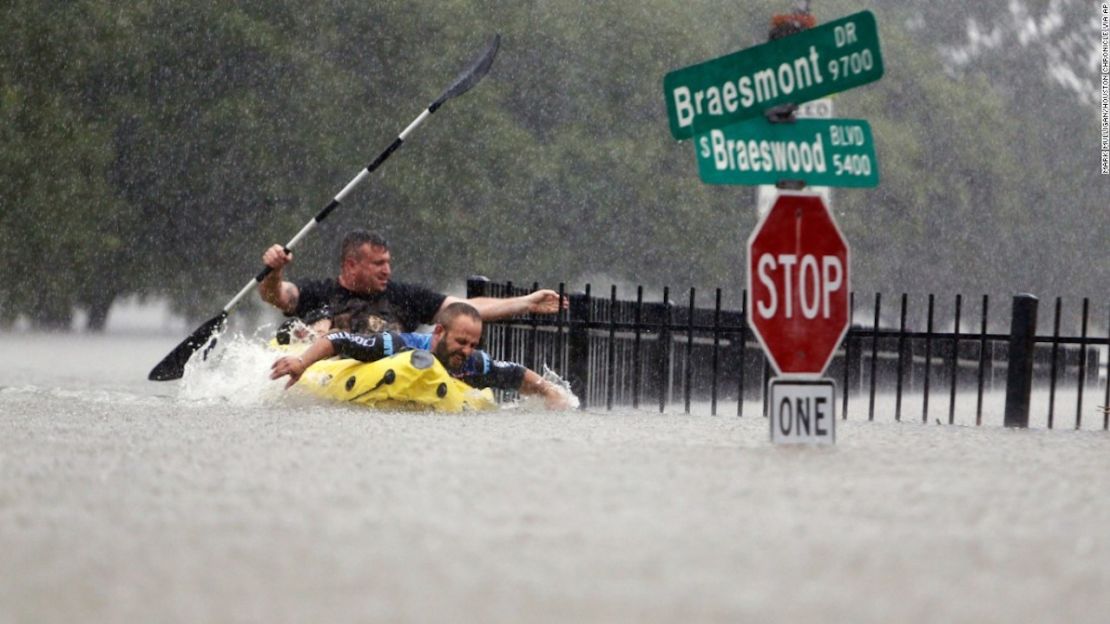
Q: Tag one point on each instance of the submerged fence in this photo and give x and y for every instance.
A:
(656, 354)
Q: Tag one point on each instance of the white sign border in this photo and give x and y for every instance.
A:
(791, 380)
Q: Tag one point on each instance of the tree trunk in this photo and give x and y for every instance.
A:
(99, 307)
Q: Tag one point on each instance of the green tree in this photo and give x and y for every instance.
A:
(157, 148)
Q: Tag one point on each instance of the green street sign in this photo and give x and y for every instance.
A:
(814, 63)
(821, 152)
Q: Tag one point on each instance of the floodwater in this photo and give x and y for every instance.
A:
(222, 499)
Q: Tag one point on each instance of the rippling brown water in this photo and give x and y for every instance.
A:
(221, 499)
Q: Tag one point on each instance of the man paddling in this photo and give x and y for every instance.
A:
(453, 341)
(364, 284)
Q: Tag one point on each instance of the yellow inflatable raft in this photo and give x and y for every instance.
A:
(412, 380)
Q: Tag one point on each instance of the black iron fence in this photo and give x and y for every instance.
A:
(654, 354)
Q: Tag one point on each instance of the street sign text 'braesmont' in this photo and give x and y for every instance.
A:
(813, 63)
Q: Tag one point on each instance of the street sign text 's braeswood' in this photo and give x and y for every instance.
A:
(797, 276)
(819, 152)
(832, 57)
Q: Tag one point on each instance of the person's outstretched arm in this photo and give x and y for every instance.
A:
(554, 397)
(295, 365)
(482, 371)
(364, 348)
(544, 301)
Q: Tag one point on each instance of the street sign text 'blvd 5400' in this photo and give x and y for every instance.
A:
(819, 152)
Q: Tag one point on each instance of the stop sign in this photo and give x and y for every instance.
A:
(798, 284)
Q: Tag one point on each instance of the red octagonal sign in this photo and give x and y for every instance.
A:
(798, 285)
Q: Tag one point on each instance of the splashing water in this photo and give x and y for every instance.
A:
(537, 403)
(563, 385)
(237, 372)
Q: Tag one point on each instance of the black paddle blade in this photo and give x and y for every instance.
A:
(173, 365)
(471, 75)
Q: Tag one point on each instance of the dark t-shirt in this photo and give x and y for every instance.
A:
(400, 307)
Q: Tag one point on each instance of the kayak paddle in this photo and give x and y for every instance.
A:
(173, 365)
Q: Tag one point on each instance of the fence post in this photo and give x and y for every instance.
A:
(477, 286)
(1019, 375)
(854, 362)
(1094, 362)
(578, 348)
(663, 362)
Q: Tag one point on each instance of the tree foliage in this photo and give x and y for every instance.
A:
(156, 148)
